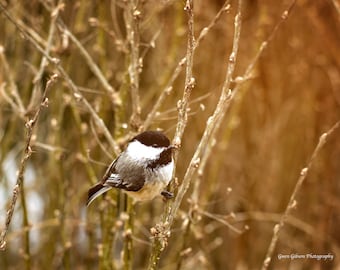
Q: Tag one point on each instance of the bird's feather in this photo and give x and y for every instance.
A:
(133, 184)
(95, 192)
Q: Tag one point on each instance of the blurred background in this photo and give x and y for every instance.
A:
(268, 135)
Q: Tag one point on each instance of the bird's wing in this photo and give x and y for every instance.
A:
(134, 183)
(127, 179)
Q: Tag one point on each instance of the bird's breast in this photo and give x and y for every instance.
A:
(155, 182)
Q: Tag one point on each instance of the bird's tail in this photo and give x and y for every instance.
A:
(95, 192)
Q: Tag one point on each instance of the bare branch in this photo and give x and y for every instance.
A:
(30, 125)
(160, 239)
(132, 17)
(213, 122)
(292, 200)
(182, 104)
(168, 88)
(44, 62)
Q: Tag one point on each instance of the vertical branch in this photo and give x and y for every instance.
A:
(33, 101)
(160, 233)
(223, 102)
(201, 161)
(30, 125)
(212, 124)
(292, 201)
(132, 17)
(132, 29)
(182, 104)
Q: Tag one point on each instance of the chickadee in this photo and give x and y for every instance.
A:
(143, 170)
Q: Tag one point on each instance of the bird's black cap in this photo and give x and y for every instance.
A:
(152, 138)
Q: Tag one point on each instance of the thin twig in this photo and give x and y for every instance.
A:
(92, 65)
(168, 87)
(292, 200)
(97, 120)
(224, 102)
(96, 137)
(10, 100)
(43, 62)
(219, 219)
(132, 18)
(114, 96)
(273, 218)
(17, 103)
(183, 104)
(30, 125)
(88, 168)
(132, 15)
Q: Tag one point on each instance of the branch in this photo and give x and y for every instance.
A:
(30, 125)
(132, 17)
(160, 234)
(43, 62)
(213, 122)
(168, 87)
(292, 201)
(183, 104)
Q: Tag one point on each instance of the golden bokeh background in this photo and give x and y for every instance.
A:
(267, 137)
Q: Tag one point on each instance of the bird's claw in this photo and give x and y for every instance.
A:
(167, 194)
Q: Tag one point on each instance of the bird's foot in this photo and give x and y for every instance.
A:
(167, 194)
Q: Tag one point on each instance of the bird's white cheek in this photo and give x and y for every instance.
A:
(139, 151)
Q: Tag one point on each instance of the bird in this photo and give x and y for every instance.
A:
(143, 170)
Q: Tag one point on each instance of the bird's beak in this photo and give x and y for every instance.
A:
(172, 147)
